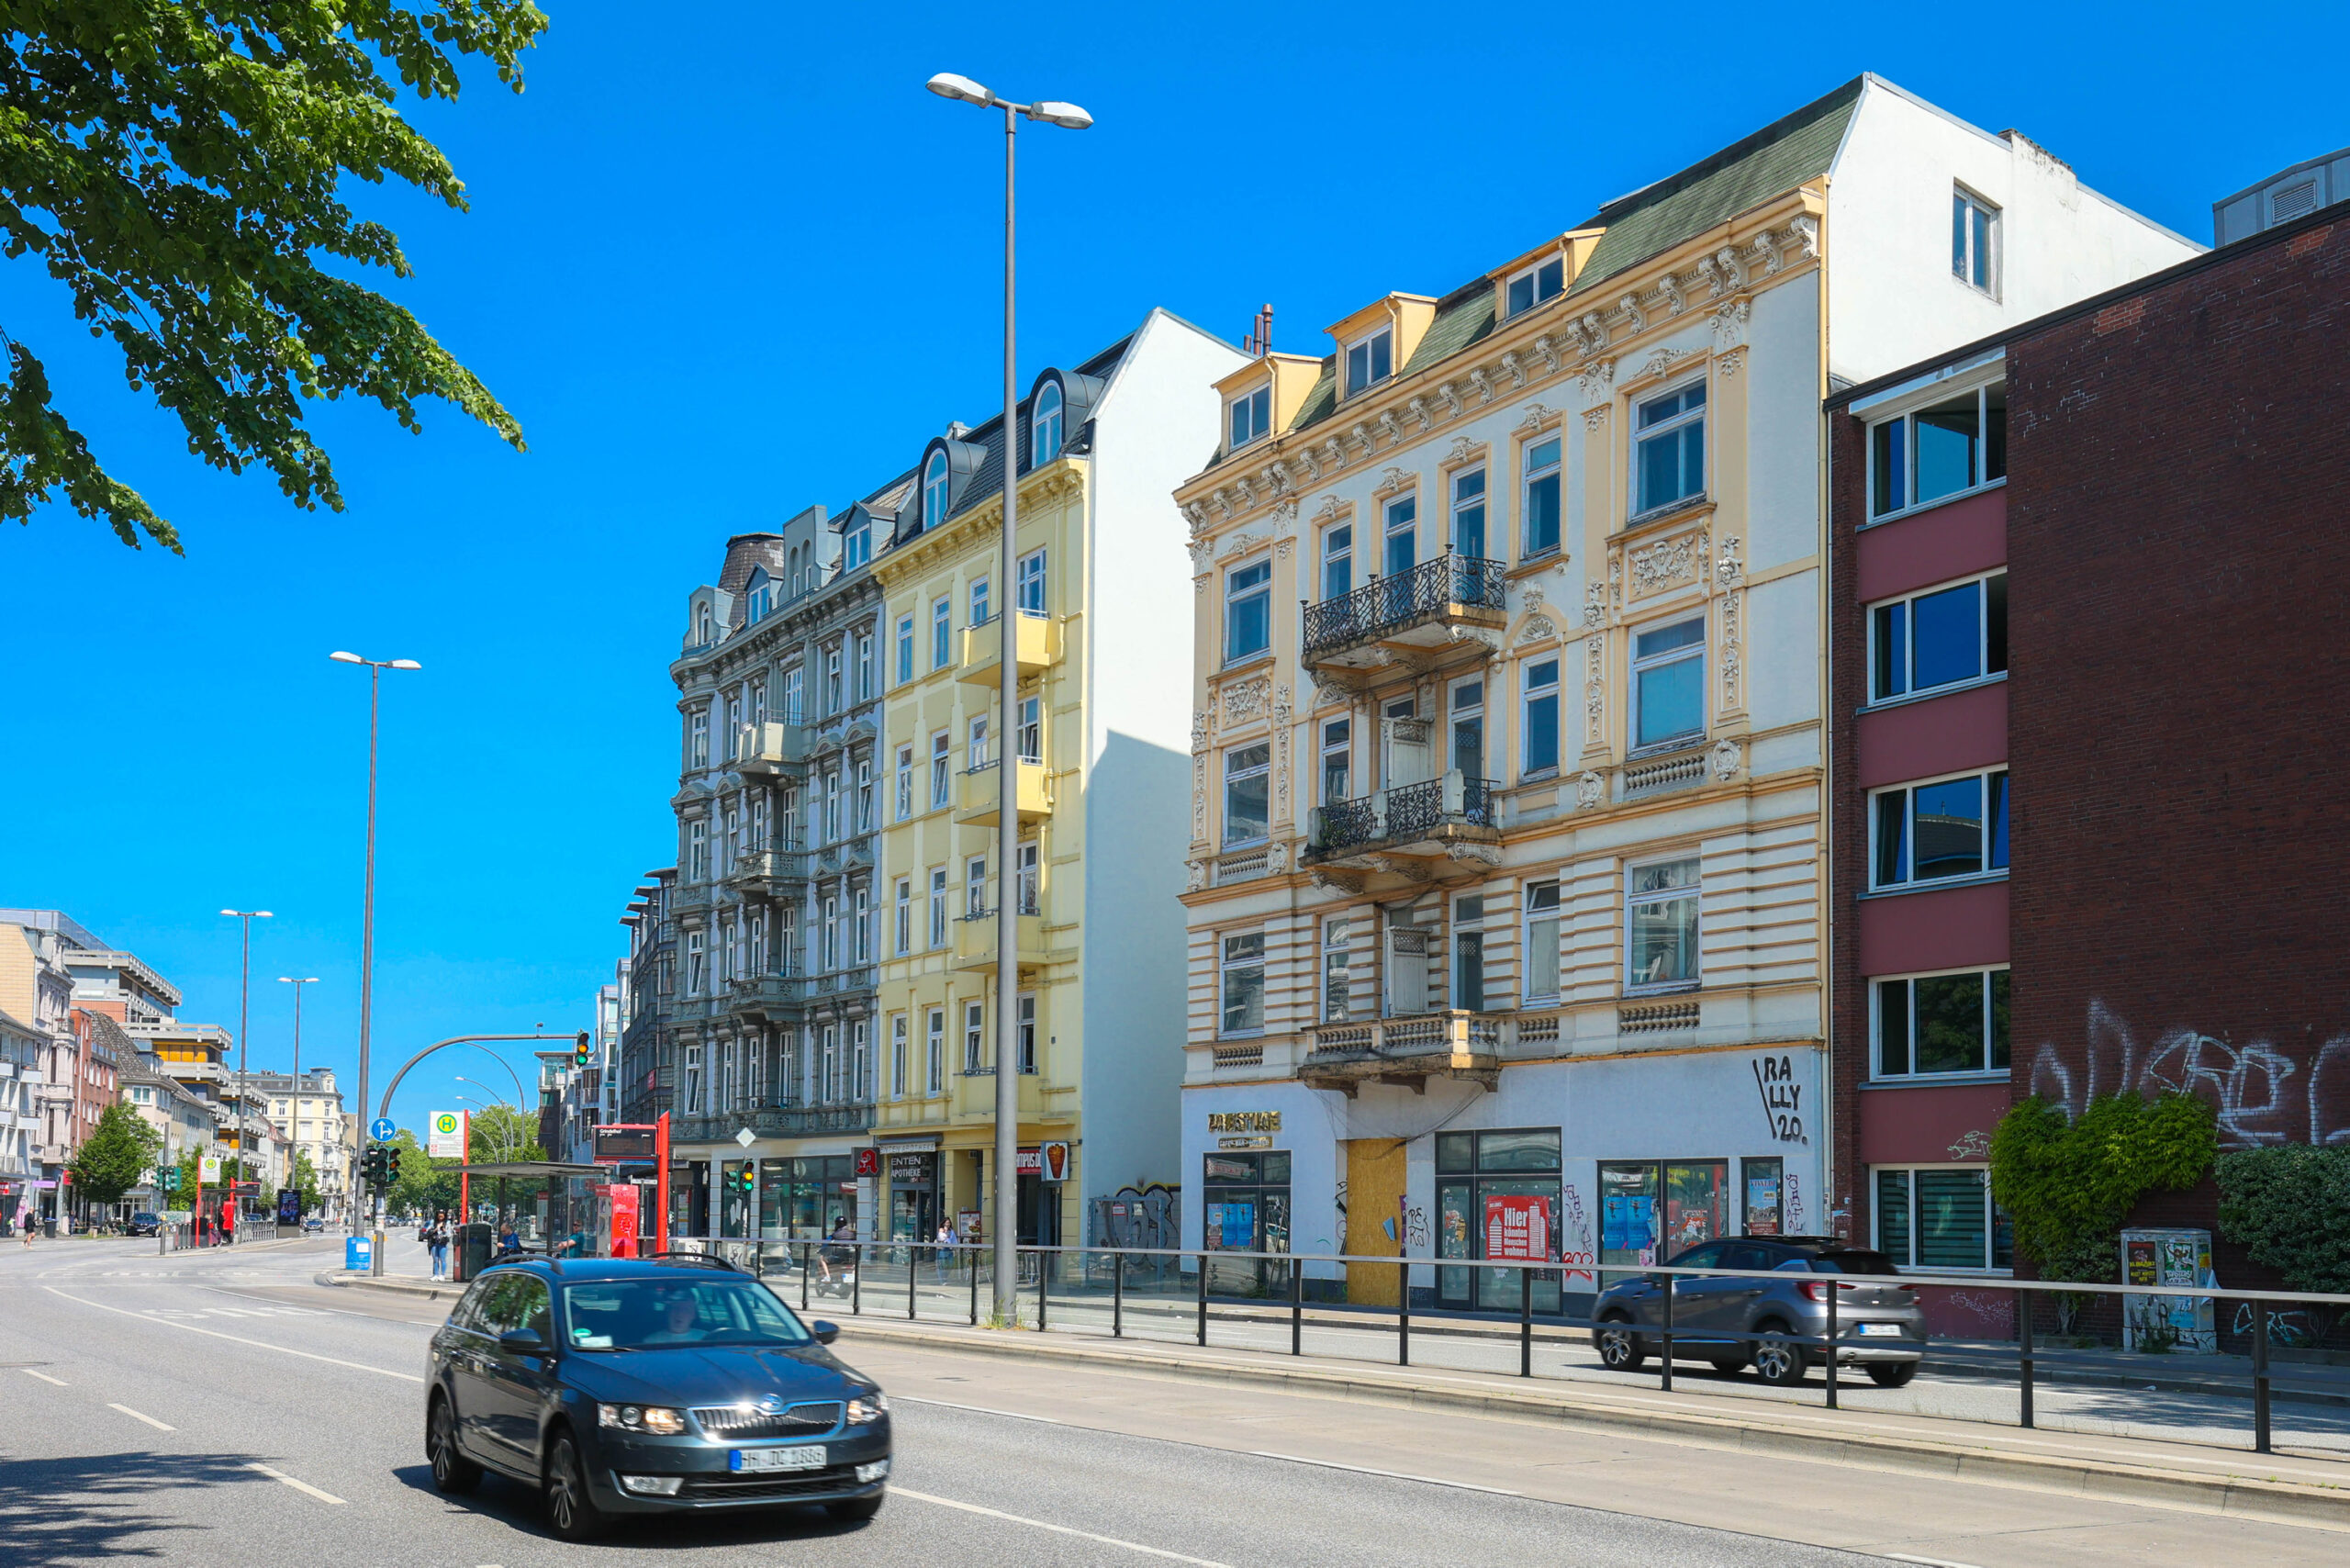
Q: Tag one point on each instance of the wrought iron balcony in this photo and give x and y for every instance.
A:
(1407, 1050)
(1426, 818)
(1419, 607)
(772, 1121)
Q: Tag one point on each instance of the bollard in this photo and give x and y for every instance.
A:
(1296, 1309)
(2023, 1350)
(971, 1256)
(856, 1281)
(1403, 1315)
(1525, 1324)
(1203, 1301)
(2260, 1377)
(1835, 1289)
(1666, 1385)
(1117, 1295)
(1043, 1261)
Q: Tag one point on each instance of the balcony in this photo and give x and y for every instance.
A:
(771, 750)
(974, 1093)
(775, 997)
(1408, 1050)
(772, 1121)
(1035, 644)
(1450, 819)
(768, 873)
(975, 940)
(975, 794)
(1419, 614)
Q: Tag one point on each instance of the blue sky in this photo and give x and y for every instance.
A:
(724, 271)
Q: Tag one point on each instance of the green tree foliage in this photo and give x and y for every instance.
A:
(116, 1156)
(178, 165)
(2290, 1206)
(2068, 1183)
(425, 1184)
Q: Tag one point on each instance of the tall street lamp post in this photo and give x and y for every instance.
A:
(1003, 1218)
(294, 1155)
(375, 668)
(244, 1023)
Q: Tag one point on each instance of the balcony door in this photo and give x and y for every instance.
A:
(1408, 970)
(1401, 554)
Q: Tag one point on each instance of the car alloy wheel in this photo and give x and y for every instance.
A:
(571, 1512)
(1777, 1362)
(451, 1470)
(1620, 1348)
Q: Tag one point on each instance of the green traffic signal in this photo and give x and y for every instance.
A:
(579, 1056)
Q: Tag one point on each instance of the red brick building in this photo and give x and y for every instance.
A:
(2161, 469)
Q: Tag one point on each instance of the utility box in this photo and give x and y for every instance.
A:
(358, 1254)
(2174, 1325)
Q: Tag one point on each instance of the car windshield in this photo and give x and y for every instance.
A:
(1851, 1261)
(664, 1313)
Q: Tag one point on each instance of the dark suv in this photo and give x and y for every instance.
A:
(1732, 1322)
(648, 1387)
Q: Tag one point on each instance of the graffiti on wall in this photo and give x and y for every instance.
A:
(1775, 1080)
(2263, 1093)
(1416, 1227)
(1793, 1200)
(1575, 1237)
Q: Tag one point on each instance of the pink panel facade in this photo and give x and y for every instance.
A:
(1941, 734)
(1954, 539)
(1946, 929)
(1929, 1125)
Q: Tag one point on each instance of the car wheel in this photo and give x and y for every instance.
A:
(1892, 1374)
(1778, 1361)
(1619, 1348)
(451, 1472)
(571, 1509)
(856, 1509)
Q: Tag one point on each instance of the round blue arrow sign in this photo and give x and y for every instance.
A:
(381, 1129)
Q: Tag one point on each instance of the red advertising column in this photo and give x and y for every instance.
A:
(195, 1215)
(661, 1191)
(624, 1221)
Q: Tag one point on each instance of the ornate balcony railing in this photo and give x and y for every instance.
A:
(1406, 813)
(1388, 604)
(773, 1121)
(1453, 1044)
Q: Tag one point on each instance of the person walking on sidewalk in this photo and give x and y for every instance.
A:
(436, 1237)
(26, 1223)
(946, 1240)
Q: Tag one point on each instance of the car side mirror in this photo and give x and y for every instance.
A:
(523, 1342)
(825, 1332)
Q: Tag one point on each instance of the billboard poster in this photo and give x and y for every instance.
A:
(445, 1135)
(1517, 1227)
(289, 1207)
(625, 1218)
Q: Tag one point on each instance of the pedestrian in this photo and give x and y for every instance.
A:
(228, 1225)
(436, 1237)
(945, 1239)
(24, 1216)
(507, 1240)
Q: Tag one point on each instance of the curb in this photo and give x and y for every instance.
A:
(2237, 1497)
(431, 1290)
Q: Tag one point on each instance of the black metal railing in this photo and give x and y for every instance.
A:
(1385, 604)
(1410, 812)
(1344, 824)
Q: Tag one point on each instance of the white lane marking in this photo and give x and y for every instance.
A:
(45, 1377)
(159, 1425)
(1390, 1475)
(981, 1410)
(257, 1344)
(302, 1486)
(1058, 1529)
(1925, 1561)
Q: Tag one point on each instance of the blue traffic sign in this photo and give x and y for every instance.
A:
(381, 1129)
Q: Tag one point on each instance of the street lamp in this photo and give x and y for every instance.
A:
(505, 1129)
(375, 668)
(245, 1022)
(963, 90)
(294, 1161)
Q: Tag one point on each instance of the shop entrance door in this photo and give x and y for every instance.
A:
(1374, 1217)
(1040, 1213)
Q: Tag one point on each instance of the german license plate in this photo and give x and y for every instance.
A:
(1881, 1330)
(752, 1461)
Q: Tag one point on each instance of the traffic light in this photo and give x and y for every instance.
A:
(172, 1179)
(579, 1055)
(391, 1163)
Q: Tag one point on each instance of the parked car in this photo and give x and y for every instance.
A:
(1733, 1323)
(143, 1224)
(648, 1387)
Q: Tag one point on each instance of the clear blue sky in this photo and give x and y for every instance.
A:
(720, 271)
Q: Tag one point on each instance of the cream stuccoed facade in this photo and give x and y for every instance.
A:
(1506, 893)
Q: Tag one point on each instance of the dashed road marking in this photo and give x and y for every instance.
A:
(159, 1425)
(1058, 1530)
(981, 1410)
(235, 1339)
(45, 1377)
(302, 1486)
(1388, 1475)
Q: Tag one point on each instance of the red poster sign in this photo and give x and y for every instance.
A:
(623, 1196)
(1517, 1228)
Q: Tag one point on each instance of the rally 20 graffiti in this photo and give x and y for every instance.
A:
(2265, 1093)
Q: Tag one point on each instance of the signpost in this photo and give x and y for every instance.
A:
(381, 1129)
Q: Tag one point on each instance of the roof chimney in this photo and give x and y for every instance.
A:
(1259, 341)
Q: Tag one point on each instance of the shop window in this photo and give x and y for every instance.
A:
(1941, 1023)
(1940, 1219)
(1652, 1211)
(1765, 1196)
(1497, 1197)
(1245, 1205)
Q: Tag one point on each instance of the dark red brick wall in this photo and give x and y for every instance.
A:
(1848, 1019)
(2179, 647)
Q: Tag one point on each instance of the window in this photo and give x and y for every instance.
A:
(1668, 683)
(864, 666)
(975, 1038)
(1926, 833)
(1024, 1020)
(905, 649)
(1541, 512)
(938, 906)
(1940, 638)
(938, 769)
(1044, 425)
(762, 600)
(1031, 736)
(832, 808)
(975, 885)
(834, 698)
(857, 541)
(1544, 280)
(980, 602)
(865, 795)
(1402, 535)
(1337, 966)
(695, 974)
(759, 701)
(1369, 360)
(864, 927)
(1974, 241)
(1248, 417)
(1249, 611)
(1029, 584)
(1661, 917)
(1670, 456)
(1941, 1218)
(977, 751)
(1468, 728)
(1497, 1196)
(697, 851)
(1957, 445)
(898, 1057)
(1469, 513)
(942, 626)
(698, 738)
(1541, 726)
(829, 945)
(1931, 1023)
(934, 1059)
(1542, 968)
(934, 491)
(1246, 780)
(1337, 561)
(1025, 866)
(1469, 954)
(1244, 984)
(792, 709)
(1337, 756)
(905, 782)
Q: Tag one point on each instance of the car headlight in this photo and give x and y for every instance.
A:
(867, 1408)
(654, 1418)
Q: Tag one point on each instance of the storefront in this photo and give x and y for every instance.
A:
(913, 1194)
(1244, 1199)
(1497, 1196)
(803, 1199)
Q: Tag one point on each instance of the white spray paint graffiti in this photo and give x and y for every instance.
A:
(2250, 1084)
(1574, 1236)
(1795, 1204)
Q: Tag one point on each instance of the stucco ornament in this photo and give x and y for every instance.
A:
(1729, 325)
(1598, 379)
(1667, 563)
(1327, 696)
(1725, 760)
(1590, 791)
(1536, 416)
(1277, 859)
(1732, 564)
(1538, 628)
(1245, 699)
(1195, 876)
(1199, 730)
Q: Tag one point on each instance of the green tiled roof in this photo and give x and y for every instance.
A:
(1462, 317)
(1322, 399)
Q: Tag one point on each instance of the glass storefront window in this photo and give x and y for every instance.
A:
(914, 1197)
(1765, 1198)
(1497, 1196)
(1246, 1209)
(1651, 1211)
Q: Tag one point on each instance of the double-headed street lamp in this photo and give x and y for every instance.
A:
(294, 1160)
(375, 668)
(245, 1024)
(962, 89)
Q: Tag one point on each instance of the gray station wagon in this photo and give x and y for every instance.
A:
(1734, 1322)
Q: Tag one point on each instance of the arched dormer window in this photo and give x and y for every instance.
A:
(934, 491)
(1044, 425)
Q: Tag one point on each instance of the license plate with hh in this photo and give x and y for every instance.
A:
(752, 1461)
(1881, 1330)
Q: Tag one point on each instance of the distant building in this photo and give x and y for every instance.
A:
(2282, 197)
(312, 1122)
(23, 1051)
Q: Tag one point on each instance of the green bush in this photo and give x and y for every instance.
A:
(2288, 1205)
(2068, 1183)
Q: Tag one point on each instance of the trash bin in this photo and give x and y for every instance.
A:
(474, 1246)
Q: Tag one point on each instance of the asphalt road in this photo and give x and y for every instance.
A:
(217, 1407)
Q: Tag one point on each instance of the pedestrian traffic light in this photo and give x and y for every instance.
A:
(580, 1054)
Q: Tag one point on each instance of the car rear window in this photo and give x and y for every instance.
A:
(1852, 1262)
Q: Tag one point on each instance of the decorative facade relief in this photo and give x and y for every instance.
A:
(1241, 543)
(1463, 450)
(1474, 854)
(1198, 731)
(1393, 480)
(1674, 300)
(1595, 605)
(1804, 230)
(1725, 760)
(1594, 692)
(1590, 791)
(1330, 880)
(1593, 418)
(1661, 363)
(1450, 394)
(1732, 564)
(1481, 381)
(1245, 699)
(1511, 368)
(1729, 325)
(1203, 556)
(1630, 306)
(1668, 564)
(1331, 696)
(1537, 629)
(1285, 511)
(1195, 876)
(1730, 364)
(1199, 798)
(1277, 859)
(1733, 618)
(1598, 379)
(1536, 416)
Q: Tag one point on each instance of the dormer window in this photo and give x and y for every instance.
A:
(934, 491)
(1544, 280)
(762, 600)
(1248, 417)
(857, 541)
(1369, 360)
(705, 626)
(1044, 426)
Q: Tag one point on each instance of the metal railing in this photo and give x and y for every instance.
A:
(1387, 604)
(1101, 1289)
(1404, 813)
